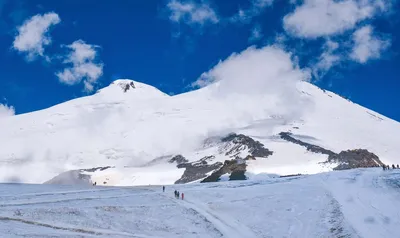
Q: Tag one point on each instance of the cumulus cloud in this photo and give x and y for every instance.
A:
(255, 71)
(267, 75)
(255, 9)
(191, 13)
(327, 59)
(33, 35)
(256, 34)
(317, 18)
(6, 111)
(366, 45)
(83, 65)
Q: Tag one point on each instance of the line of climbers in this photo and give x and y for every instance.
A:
(387, 167)
(176, 193)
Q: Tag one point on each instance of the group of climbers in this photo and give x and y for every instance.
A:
(176, 193)
(387, 167)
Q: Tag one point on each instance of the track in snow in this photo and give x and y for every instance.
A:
(356, 203)
(226, 226)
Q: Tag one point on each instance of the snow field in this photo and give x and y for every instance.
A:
(355, 203)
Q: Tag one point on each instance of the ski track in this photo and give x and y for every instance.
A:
(228, 227)
(355, 203)
(73, 229)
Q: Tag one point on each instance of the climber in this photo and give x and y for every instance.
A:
(398, 166)
(163, 188)
(393, 166)
(177, 195)
(183, 196)
(384, 167)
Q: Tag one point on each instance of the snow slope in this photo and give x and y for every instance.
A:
(131, 129)
(353, 203)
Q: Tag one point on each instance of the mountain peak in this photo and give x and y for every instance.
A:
(125, 84)
(131, 87)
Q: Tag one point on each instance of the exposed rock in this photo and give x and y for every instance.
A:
(231, 146)
(351, 159)
(125, 86)
(95, 169)
(290, 175)
(240, 142)
(250, 157)
(236, 167)
(196, 170)
(238, 175)
(313, 148)
(179, 159)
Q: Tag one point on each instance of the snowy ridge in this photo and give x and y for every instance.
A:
(127, 129)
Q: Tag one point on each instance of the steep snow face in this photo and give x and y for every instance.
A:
(129, 124)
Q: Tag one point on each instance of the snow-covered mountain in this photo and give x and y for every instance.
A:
(135, 134)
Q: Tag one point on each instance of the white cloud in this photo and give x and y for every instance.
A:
(366, 45)
(267, 73)
(254, 71)
(33, 35)
(191, 13)
(327, 59)
(256, 34)
(6, 111)
(317, 18)
(84, 65)
(255, 9)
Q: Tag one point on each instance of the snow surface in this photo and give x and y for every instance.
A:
(131, 130)
(353, 203)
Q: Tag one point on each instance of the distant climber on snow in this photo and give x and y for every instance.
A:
(175, 192)
(394, 167)
(398, 166)
(183, 196)
(384, 167)
(163, 188)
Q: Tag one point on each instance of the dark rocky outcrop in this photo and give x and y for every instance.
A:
(250, 157)
(197, 170)
(287, 136)
(231, 146)
(95, 169)
(351, 159)
(290, 175)
(179, 159)
(236, 168)
(256, 148)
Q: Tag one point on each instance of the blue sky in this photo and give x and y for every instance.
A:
(54, 51)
